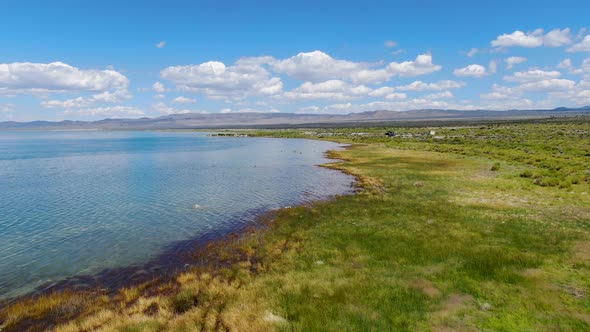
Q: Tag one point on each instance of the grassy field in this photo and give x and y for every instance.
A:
(471, 228)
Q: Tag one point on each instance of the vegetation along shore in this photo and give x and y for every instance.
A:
(478, 227)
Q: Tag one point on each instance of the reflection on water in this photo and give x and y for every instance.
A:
(75, 203)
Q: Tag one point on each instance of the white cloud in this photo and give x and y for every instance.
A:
(548, 85)
(382, 91)
(500, 92)
(7, 108)
(532, 76)
(332, 89)
(568, 65)
(401, 105)
(536, 38)
(57, 77)
(165, 109)
(80, 102)
(159, 87)
(565, 64)
(582, 46)
(556, 38)
(472, 52)
(390, 43)
(420, 66)
(492, 67)
(396, 96)
(417, 86)
(247, 77)
(514, 60)
(318, 66)
(184, 100)
(440, 95)
(161, 44)
(471, 71)
(534, 84)
(436, 86)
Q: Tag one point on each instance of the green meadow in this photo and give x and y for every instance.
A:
(466, 228)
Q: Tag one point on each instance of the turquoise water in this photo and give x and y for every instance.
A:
(77, 203)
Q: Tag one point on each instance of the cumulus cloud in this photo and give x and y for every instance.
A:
(396, 96)
(420, 66)
(533, 75)
(184, 100)
(161, 44)
(247, 77)
(471, 71)
(161, 107)
(536, 38)
(332, 89)
(436, 86)
(393, 105)
(79, 102)
(440, 95)
(158, 87)
(97, 86)
(499, 92)
(514, 60)
(568, 65)
(324, 76)
(57, 77)
(318, 66)
(534, 84)
(582, 46)
(415, 86)
(565, 64)
(548, 85)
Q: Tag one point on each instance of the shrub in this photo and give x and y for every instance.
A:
(184, 301)
(526, 174)
(495, 167)
(549, 182)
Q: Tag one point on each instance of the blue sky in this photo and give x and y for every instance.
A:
(98, 59)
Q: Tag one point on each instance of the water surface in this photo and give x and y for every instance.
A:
(76, 203)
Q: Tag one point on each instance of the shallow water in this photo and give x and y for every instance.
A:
(76, 203)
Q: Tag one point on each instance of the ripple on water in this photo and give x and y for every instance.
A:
(79, 203)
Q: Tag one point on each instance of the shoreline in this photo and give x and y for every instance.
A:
(445, 236)
(180, 256)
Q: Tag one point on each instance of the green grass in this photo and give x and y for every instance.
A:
(444, 235)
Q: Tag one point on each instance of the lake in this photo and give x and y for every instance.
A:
(78, 203)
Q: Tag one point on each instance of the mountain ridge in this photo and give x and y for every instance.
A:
(221, 120)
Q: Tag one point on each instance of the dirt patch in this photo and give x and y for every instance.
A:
(456, 303)
(581, 253)
(449, 317)
(426, 287)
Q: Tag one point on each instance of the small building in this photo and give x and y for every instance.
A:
(432, 133)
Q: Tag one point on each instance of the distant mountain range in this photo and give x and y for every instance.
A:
(277, 120)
